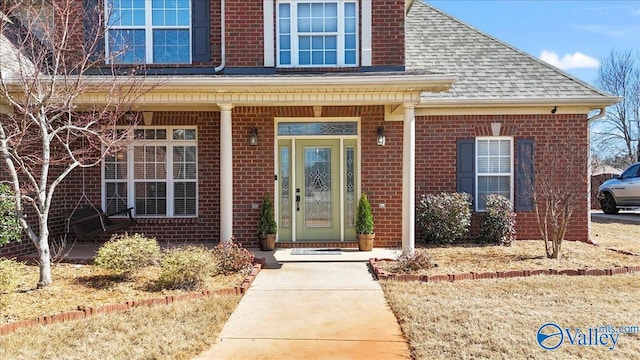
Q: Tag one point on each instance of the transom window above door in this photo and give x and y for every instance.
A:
(148, 31)
(317, 33)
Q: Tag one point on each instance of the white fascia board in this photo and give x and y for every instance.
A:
(381, 83)
(596, 101)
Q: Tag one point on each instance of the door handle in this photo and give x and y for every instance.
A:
(297, 199)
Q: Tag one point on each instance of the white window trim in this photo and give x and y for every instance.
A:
(148, 30)
(477, 174)
(170, 144)
(294, 34)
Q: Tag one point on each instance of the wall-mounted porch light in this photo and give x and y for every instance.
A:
(380, 141)
(253, 137)
(129, 118)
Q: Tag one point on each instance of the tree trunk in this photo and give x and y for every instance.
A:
(44, 257)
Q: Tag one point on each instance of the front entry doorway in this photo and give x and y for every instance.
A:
(317, 187)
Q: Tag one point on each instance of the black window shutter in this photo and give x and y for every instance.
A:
(200, 37)
(466, 174)
(525, 174)
(93, 26)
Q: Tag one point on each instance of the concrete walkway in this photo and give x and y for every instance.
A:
(312, 310)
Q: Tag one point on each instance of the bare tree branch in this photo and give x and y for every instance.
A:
(51, 131)
(619, 75)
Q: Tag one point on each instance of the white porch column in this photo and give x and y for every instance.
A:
(226, 173)
(409, 180)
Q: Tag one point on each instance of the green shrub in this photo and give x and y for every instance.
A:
(125, 254)
(186, 268)
(267, 224)
(232, 257)
(498, 221)
(364, 216)
(10, 271)
(419, 260)
(10, 229)
(444, 218)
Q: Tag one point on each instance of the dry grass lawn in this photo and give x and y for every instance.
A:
(85, 286)
(499, 318)
(617, 235)
(529, 254)
(178, 331)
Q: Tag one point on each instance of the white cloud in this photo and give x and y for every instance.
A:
(576, 60)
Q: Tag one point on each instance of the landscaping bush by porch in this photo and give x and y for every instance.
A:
(419, 260)
(498, 221)
(444, 218)
(232, 257)
(125, 254)
(186, 268)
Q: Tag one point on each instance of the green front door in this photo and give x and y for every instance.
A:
(317, 190)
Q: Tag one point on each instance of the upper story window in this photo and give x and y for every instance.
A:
(149, 31)
(317, 33)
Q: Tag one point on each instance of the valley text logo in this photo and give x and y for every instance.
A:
(550, 336)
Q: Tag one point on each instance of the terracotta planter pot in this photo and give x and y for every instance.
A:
(365, 241)
(267, 242)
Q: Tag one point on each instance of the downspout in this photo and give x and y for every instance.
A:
(223, 56)
(590, 121)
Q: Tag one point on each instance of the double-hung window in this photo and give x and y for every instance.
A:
(494, 168)
(148, 31)
(156, 174)
(317, 33)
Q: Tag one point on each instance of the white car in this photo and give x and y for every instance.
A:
(621, 191)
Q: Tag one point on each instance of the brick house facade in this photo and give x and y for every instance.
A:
(317, 101)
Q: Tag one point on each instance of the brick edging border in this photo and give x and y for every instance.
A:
(85, 312)
(383, 275)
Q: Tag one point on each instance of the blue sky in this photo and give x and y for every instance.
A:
(572, 35)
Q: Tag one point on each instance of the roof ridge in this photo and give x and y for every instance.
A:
(511, 47)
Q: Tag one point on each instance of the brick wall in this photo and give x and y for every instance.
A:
(436, 156)
(203, 228)
(381, 168)
(387, 32)
(253, 170)
(381, 174)
(244, 34)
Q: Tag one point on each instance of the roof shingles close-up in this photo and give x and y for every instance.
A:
(486, 67)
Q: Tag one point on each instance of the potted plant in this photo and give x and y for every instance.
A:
(267, 226)
(364, 224)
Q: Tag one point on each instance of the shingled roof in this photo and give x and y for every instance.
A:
(487, 68)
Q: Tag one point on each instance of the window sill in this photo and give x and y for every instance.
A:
(166, 220)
